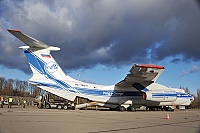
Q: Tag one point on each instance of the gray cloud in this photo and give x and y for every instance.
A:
(193, 69)
(111, 32)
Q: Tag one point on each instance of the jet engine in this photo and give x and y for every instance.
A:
(160, 96)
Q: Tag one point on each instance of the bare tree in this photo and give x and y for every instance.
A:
(2, 80)
(187, 90)
(8, 87)
(36, 91)
(198, 98)
(194, 103)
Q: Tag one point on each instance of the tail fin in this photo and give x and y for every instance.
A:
(47, 74)
(38, 55)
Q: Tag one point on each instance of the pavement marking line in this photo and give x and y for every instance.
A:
(140, 127)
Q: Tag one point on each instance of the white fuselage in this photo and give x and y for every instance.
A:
(115, 95)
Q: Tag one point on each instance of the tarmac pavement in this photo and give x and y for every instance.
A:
(33, 120)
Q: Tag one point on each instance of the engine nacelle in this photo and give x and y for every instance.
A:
(160, 96)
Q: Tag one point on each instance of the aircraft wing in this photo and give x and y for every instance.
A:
(31, 42)
(143, 73)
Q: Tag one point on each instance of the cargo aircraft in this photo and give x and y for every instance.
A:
(138, 88)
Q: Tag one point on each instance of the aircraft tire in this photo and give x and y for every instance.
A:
(121, 108)
(132, 108)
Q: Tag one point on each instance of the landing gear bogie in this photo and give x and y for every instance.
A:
(121, 108)
(131, 108)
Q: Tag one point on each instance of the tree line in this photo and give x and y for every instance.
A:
(11, 87)
(196, 102)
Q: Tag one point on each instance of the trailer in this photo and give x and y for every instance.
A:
(44, 101)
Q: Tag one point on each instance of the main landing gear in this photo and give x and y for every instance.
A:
(131, 108)
(122, 108)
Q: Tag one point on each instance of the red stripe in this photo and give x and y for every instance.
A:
(149, 66)
(14, 30)
(46, 56)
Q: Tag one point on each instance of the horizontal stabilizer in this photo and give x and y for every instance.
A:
(31, 42)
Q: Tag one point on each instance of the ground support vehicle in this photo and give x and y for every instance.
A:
(44, 102)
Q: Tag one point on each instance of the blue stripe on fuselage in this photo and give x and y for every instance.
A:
(160, 95)
(183, 95)
(113, 93)
(178, 95)
(96, 92)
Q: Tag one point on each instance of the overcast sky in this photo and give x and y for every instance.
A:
(112, 33)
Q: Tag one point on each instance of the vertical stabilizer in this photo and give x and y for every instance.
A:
(47, 74)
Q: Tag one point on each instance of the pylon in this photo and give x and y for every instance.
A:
(167, 116)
